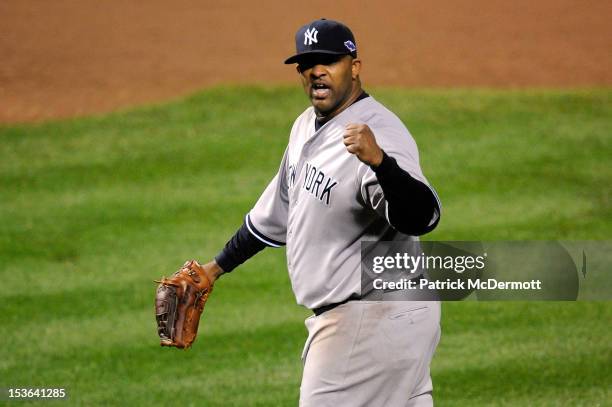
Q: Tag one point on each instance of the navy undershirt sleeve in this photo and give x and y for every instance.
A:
(241, 247)
(411, 204)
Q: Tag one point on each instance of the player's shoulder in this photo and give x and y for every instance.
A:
(301, 124)
(306, 116)
(377, 116)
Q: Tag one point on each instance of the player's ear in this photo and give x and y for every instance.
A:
(356, 67)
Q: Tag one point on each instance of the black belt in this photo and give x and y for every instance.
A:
(325, 308)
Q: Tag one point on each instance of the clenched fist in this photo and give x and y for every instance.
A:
(360, 141)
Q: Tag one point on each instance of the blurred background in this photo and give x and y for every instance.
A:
(135, 135)
(68, 57)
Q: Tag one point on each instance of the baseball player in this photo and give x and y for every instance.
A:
(350, 173)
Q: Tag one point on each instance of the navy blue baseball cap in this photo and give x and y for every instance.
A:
(323, 37)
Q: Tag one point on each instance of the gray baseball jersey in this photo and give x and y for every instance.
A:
(323, 201)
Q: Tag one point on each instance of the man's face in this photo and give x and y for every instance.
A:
(329, 80)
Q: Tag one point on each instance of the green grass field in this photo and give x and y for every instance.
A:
(93, 210)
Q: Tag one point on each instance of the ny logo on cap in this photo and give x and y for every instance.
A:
(310, 36)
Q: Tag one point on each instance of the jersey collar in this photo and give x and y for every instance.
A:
(319, 123)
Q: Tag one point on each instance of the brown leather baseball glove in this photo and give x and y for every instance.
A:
(179, 302)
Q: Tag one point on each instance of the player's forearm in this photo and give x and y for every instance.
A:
(411, 204)
(241, 247)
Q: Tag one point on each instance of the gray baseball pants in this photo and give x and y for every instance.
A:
(370, 353)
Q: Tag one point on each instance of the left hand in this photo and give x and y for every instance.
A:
(360, 141)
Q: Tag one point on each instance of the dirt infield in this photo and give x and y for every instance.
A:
(64, 58)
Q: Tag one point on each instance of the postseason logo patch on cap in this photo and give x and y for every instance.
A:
(350, 46)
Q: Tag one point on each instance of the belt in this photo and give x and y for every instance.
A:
(328, 307)
(325, 308)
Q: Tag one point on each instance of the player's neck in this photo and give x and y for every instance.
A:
(354, 95)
